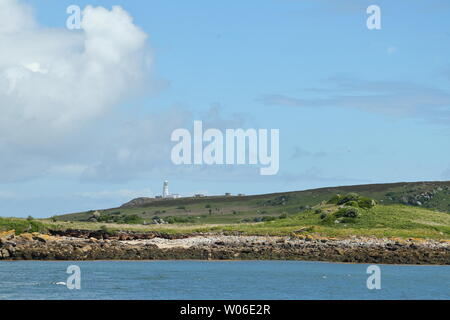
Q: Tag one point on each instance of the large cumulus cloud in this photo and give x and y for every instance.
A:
(57, 84)
(53, 81)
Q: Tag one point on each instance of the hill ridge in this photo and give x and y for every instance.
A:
(427, 194)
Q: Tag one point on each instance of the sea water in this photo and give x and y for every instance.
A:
(219, 280)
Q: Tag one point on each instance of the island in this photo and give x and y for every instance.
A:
(398, 223)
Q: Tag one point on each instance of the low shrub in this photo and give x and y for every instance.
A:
(132, 219)
(21, 225)
(366, 203)
(352, 204)
(108, 231)
(260, 219)
(349, 212)
(348, 197)
(172, 220)
(335, 199)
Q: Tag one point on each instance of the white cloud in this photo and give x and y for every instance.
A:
(15, 17)
(142, 146)
(54, 81)
(392, 98)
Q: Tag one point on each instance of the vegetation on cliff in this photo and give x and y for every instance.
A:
(325, 219)
(22, 225)
(407, 210)
(257, 208)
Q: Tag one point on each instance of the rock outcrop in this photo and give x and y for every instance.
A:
(220, 247)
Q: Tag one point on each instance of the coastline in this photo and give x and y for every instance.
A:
(155, 246)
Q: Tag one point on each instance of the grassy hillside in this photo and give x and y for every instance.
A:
(403, 210)
(22, 225)
(260, 208)
(322, 220)
(380, 221)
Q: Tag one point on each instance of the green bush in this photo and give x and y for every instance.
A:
(367, 203)
(133, 219)
(335, 199)
(352, 204)
(348, 197)
(344, 220)
(348, 212)
(107, 230)
(21, 225)
(268, 218)
(172, 220)
(260, 219)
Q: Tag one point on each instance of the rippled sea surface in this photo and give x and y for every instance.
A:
(219, 280)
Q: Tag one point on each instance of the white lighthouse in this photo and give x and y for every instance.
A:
(166, 193)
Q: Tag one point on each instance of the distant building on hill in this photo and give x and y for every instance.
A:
(200, 195)
(166, 194)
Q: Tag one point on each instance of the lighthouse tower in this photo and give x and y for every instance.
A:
(166, 189)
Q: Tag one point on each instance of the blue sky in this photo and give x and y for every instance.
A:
(353, 105)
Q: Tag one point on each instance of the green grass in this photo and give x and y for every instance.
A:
(22, 225)
(381, 221)
(234, 209)
(428, 218)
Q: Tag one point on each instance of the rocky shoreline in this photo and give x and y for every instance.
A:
(154, 246)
